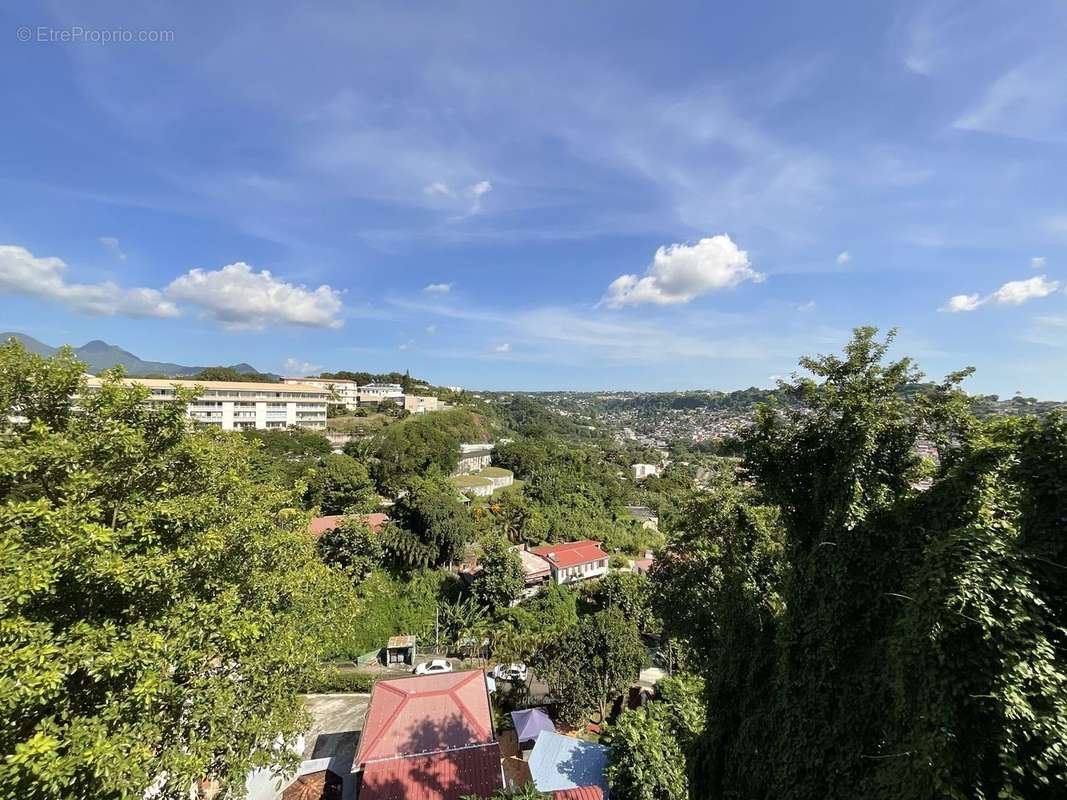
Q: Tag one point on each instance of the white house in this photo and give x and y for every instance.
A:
(572, 562)
(642, 471)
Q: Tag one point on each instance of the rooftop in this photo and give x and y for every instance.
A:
(563, 762)
(167, 383)
(438, 776)
(319, 525)
(426, 714)
(570, 554)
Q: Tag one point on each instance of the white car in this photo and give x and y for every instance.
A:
(435, 667)
(510, 672)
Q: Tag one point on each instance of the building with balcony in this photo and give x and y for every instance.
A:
(343, 392)
(239, 405)
(371, 394)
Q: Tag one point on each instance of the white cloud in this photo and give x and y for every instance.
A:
(294, 366)
(438, 288)
(961, 302)
(478, 191)
(1012, 293)
(438, 188)
(681, 272)
(406, 345)
(1026, 102)
(502, 348)
(808, 306)
(1037, 262)
(1017, 292)
(242, 299)
(431, 330)
(844, 257)
(112, 244)
(21, 273)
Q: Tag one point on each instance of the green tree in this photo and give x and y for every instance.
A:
(630, 593)
(589, 664)
(231, 374)
(159, 610)
(501, 579)
(352, 548)
(410, 448)
(339, 484)
(646, 762)
(430, 526)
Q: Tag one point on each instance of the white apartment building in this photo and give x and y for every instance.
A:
(241, 405)
(373, 393)
(345, 393)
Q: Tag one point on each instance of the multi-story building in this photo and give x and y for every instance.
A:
(473, 457)
(419, 404)
(239, 405)
(344, 392)
(374, 393)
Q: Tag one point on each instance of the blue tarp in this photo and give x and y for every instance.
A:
(563, 762)
(531, 721)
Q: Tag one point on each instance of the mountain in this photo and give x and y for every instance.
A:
(99, 355)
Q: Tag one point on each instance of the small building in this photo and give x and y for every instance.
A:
(572, 562)
(536, 570)
(473, 457)
(564, 763)
(530, 723)
(643, 565)
(419, 404)
(372, 394)
(429, 737)
(399, 650)
(642, 471)
(645, 515)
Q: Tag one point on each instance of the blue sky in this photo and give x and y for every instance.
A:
(541, 195)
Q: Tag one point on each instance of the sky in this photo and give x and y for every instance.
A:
(593, 195)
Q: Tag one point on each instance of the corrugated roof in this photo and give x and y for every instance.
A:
(564, 762)
(322, 785)
(440, 776)
(319, 525)
(570, 554)
(400, 641)
(581, 793)
(426, 714)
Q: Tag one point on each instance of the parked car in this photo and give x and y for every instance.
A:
(435, 667)
(510, 672)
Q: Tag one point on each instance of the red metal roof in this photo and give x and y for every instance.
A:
(571, 554)
(319, 525)
(426, 714)
(439, 776)
(581, 793)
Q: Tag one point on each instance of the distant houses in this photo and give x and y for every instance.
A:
(642, 471)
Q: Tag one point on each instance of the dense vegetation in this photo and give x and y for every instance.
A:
(861, 638)
(159, 608)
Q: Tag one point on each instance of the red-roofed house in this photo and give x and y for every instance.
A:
(319, 525)
(574, 561)
(581, 793)
(429, 738)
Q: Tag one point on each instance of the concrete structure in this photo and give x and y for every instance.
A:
(343, 392)
(400, 650)
(473, 457)
(500, 477)
(419, 404)
(473, 485)
(572, 562)
(642, 471)
(371, 394)
(238, 405)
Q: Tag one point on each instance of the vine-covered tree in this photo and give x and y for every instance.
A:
(500, 579)
(646, 762)
(630, 593)
(159, 610)
(351, 548)
(866, 638)
(430, 526)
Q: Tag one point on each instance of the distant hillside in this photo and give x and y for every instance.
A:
(99, 355)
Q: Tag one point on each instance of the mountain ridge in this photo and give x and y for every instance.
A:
(99, 355)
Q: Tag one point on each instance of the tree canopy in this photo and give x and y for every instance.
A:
(159, 610)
